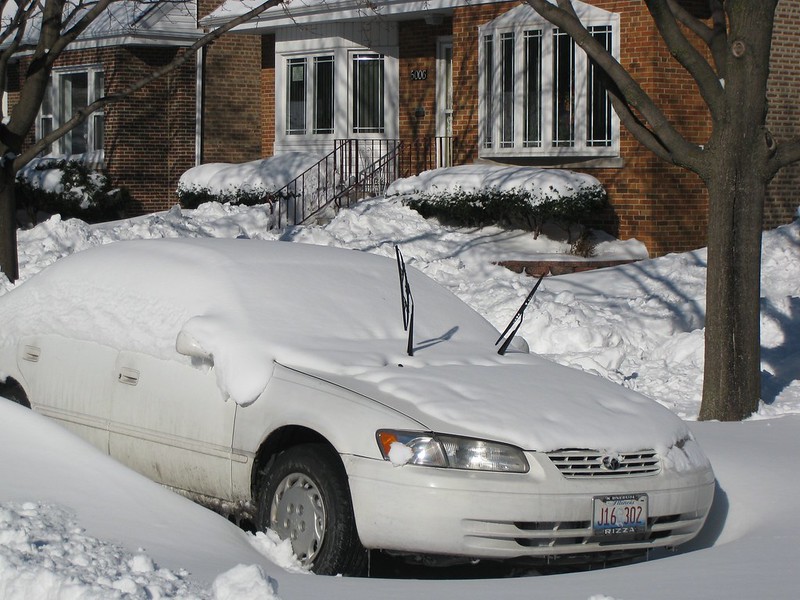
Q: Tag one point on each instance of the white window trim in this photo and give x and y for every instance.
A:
(342, 51)
(94, 155)
(444, 103)
(525, 19)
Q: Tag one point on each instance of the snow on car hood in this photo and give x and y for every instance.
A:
(521, 399)
(246, 304)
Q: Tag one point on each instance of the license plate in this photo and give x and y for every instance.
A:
(620, 515)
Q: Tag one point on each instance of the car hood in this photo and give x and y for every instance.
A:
(522, 399)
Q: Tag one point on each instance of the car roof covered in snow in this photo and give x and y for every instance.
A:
(244, 303)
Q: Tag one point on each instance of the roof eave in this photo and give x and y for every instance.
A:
(349, 10)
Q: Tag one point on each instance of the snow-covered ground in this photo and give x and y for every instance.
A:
(75, 525)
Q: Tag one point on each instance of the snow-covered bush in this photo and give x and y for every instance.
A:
(194, 196)
(248, 184)
(69, 188)
(517, 207)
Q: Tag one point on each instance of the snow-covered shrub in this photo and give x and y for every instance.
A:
(68, 188)
(516, 207)
(249, 183)
(194, 196)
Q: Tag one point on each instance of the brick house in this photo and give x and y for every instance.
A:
(455, 82)
(147, 141)
(483, 80)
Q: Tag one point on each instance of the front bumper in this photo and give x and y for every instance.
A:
(423, 510)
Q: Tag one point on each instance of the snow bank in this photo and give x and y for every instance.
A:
(44, 554)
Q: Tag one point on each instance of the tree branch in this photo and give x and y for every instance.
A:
(81, 115)
(708, 81)
(656, 132)
(16, 26)
(786, 154)
(638, 129)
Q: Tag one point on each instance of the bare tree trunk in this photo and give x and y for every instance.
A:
(8, 222)
(732, 376)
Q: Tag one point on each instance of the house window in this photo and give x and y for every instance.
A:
(533, 89)
(67, 92)
(563, 90)
(309, 95)
(336, 87)
(296, 88)
(488, 91)
(599, 123)
(368, 93)
(540, 95)
(323, 94)
(507, 99)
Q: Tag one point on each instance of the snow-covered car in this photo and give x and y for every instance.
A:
(297, 386)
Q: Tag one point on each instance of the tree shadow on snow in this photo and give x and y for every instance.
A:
(783, 360)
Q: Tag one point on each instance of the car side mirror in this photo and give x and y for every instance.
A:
(188, 346)
(519, 344)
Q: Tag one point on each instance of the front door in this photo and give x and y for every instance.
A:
(444, 102)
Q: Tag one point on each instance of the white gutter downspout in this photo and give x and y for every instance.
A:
(200, 90)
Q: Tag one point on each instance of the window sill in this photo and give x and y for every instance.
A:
(557, 162)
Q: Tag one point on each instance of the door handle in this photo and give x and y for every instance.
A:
(31, 353)
(128, 376)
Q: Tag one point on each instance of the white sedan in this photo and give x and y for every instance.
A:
(301, 388)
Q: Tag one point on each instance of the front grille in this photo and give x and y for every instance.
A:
(591, 463)
(551, 538)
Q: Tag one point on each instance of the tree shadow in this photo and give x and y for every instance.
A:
(783, 360)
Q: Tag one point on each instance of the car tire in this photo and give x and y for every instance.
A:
(304, 496)
(13, 391)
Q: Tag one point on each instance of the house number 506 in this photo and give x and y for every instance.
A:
(419, 74)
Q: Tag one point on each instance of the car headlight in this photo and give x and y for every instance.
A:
(449, 451)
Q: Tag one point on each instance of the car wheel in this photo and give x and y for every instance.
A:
(13, 391)
(304, 497)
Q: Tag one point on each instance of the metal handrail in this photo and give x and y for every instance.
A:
(339, 179)
(293, 202)
(372, 181)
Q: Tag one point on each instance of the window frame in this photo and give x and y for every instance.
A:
(523, 25)
(341, 44)
(310, 98)
(378, 111)
(53, 111)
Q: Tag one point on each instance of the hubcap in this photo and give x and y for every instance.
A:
(298, 514)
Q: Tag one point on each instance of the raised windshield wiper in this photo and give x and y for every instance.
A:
(516, 320)
(407, 301)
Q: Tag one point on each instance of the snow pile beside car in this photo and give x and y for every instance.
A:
(76, 525)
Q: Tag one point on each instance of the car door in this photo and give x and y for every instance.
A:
(170, 422)
(70, 380)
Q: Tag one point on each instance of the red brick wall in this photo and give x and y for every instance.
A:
(268, 95)
(660, 204)
(784, 110)
(417, 113)
(232, 104)
(232, 100)
(149, 137)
